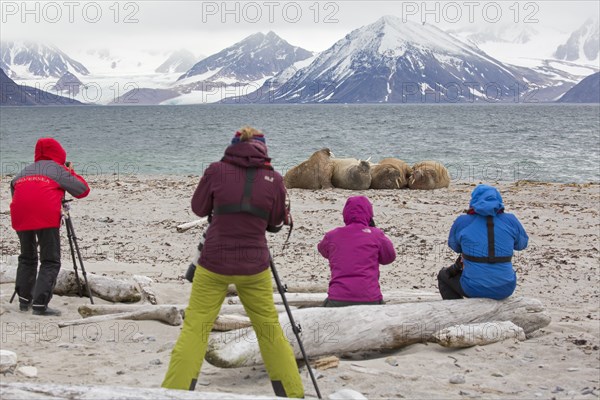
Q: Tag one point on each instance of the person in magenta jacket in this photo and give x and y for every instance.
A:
(35, 212)
(355, 252)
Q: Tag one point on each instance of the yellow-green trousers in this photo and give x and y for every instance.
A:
(256, 293)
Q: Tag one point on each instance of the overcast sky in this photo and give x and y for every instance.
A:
(205, 27)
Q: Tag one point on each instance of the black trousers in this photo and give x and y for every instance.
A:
(449, 283)
(32, 286)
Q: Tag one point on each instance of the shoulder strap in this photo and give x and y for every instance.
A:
(491, 258)
(245, 205)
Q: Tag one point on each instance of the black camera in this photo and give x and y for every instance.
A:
(456, 268)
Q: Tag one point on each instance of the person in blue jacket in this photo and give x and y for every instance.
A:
(485, 238)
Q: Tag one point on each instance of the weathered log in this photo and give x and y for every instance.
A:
(227, 309)
(291, 288)
(169, 314)
(332, 331)
(144, 285)
(231, 322)
(110, 289)
(478, 334)
(25, 390)
(189, 225)
(88, 310)
(106, 288)
(317, 299)
(309, 287)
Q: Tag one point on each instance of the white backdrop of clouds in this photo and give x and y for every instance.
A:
(205, 27)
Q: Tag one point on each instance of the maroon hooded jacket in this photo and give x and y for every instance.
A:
(37, 191)
(236, 243)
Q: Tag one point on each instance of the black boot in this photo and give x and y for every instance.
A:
(46, 311)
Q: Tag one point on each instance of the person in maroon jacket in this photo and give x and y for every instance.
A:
(35, 211)
(244, 197)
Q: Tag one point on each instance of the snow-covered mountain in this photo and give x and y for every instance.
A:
(256, 57)
(499, 33)
(392, 61)
(13, 94)
(68, 84)
(237, 70)
(532, 47)
(586, 91)
(583, 45)
(26, 60)
(179, 61)
(121, 61)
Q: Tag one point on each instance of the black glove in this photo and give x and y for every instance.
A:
(456, 268)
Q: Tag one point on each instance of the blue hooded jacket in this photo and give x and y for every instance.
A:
(468, 235)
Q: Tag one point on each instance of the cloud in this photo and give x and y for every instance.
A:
(209, 26)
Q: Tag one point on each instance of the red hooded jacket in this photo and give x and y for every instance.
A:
(37, 191)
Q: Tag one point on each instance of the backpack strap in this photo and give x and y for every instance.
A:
(491, 258)
(244, 205)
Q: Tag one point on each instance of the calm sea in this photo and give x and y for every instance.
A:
(556, 143)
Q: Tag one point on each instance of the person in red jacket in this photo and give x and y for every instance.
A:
(243, 197)
(35, 211)
(354, 252)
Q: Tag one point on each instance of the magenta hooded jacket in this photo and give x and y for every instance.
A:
(354, 252)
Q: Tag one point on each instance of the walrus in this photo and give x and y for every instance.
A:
(351, 174)
(314, 173)
(429, 175)
(390, 173)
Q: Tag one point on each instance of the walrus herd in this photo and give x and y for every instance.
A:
(323, 171)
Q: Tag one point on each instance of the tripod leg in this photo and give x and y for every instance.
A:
(295, 328)
(81, 262)
(70, 235)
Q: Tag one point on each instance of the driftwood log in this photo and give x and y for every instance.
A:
(478, 334)
(144, 285)
(189, 225)
(168, 314)
(171, 314)
(231, 322)
(25, 390)
(317, 299)
(301, 287)
(333, 331)
(88, 310)
(106, 288)
(110, 289)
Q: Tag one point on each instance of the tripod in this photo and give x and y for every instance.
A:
(295, 327)
(75, 248)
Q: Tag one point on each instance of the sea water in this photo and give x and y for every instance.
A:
(490, 143)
